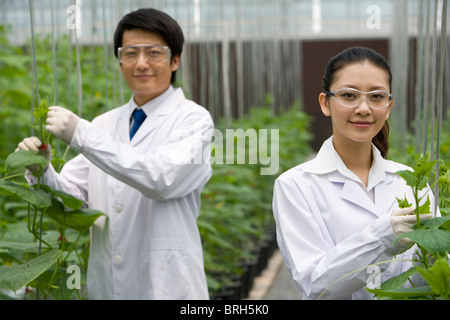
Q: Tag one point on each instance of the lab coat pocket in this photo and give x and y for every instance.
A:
(168, 269)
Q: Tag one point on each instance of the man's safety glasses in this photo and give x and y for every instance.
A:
(152, 53)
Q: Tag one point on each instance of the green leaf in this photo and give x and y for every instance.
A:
(437, 276)
(425, 208)
(23, 246)
(435, 241)
(14, 277)
(408, 176)
(22, 158)
(403, 203)
(423, 168)
(68, 200)
(36, 197)
(40, 113)
(437, 223)
(79, 220)
(398, 281)
(445, 211)
(403, 292)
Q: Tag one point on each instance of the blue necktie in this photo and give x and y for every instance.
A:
(139, 117)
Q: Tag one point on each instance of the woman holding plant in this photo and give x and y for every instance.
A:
(338, 213)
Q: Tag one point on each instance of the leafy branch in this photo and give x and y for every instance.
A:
(62, 210)
(65, 212)
(432, 237)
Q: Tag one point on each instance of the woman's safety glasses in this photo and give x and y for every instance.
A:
(352, 98)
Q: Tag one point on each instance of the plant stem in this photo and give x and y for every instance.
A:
(33, 229)
(12, 176)
(52, 279)
(29, 216)
(73, 248)
(423, 255)
(416, 199)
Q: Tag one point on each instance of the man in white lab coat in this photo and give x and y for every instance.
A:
(147, 246)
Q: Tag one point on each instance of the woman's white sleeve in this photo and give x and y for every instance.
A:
(315, 262)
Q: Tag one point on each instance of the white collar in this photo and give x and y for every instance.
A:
(328, 160)
(149, 106)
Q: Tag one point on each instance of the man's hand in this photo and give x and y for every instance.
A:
(34, 144)
(62, 123)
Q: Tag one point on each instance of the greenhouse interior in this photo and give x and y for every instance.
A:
(257, 67)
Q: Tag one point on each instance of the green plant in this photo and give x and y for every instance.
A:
(432, 237)
(49, 215)
(40, 261)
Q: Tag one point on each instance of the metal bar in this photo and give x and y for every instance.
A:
(33, 52)
(440, 96)
(426, 81)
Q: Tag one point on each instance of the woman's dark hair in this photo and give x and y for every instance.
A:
(355, 55)
(155, 21)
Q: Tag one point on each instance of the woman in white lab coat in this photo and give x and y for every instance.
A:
(147, 246)
(338, 213)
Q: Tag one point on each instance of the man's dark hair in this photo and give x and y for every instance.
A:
(155, 21)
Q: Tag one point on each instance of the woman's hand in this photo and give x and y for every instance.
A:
(402, 221)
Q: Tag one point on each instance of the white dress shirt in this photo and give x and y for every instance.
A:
(148, 245)
(329, 224)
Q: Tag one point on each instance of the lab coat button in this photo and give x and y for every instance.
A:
(116, 258)
(118, 208)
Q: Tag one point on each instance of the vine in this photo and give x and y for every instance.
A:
(48, 257)
(432, 237)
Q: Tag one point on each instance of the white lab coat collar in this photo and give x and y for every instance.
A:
(151, 105)
(156, 110)
(381, 173)
(328, 161)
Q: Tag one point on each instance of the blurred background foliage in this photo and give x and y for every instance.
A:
(236, 219)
